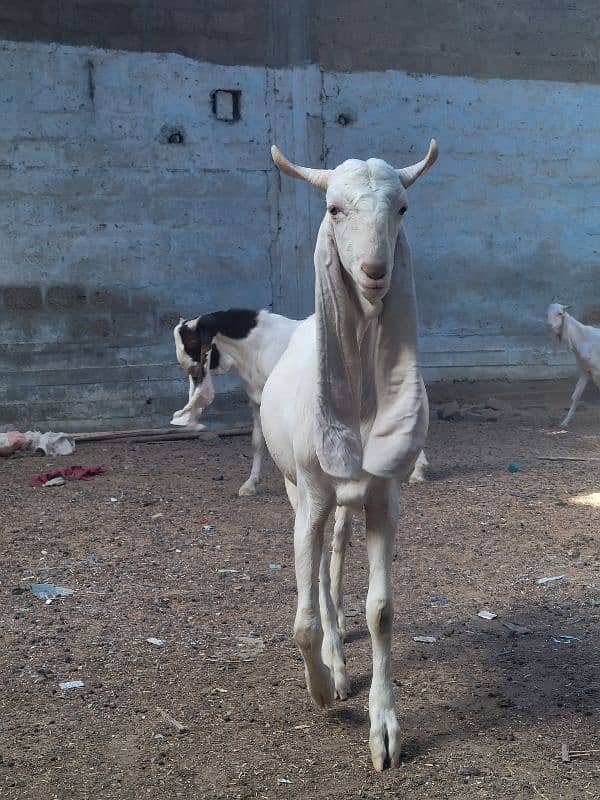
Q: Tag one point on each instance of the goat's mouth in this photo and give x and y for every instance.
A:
(373, 289)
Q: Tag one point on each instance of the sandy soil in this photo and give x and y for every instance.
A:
(484, 710)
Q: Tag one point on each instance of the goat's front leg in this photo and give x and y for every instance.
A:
(311, 517)
(381, 519)
(577, 392)
(258, 447)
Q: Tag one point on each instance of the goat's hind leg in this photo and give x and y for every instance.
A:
(332, 650)
(311, 517)
(342, 531)
(381, 519)
(575, 398)
(258, 448)
(419, 472)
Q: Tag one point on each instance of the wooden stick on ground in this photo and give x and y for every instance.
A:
(566, 458)
(567, 754)
(179, 726)
(168, 434)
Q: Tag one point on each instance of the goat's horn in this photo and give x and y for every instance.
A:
(408, 175)
(318, 177)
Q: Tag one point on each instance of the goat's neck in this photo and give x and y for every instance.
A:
(572, 331)
(244, 357)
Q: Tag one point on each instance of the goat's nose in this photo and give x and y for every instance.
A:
(375, 270)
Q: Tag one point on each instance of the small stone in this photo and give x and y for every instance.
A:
(450, 411)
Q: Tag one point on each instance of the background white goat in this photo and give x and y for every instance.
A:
(345, 414)
(251, 342)
(584, 342)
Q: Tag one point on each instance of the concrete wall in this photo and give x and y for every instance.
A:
(108, 233)
(532, 39)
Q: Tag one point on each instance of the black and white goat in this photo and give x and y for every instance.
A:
(345, 416)
(584, 342)
(250, 342)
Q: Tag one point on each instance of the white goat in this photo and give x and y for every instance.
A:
(584, 342)
(344, 414)
(251, 342)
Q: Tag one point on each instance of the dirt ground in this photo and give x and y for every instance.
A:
(484, 710)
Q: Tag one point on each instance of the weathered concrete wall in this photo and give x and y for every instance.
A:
(507, 220)
(108, 233)
(534, 39)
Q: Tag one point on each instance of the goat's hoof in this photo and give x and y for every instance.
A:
(320, 686)
(342, 689)
(384, 739)
(247, 490)
(564, 424)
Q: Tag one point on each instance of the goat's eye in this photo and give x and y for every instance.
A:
(335, 211)
(402, 211)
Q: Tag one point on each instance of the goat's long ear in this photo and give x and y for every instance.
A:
(200, 395)
(408, 175)
(402, 419)
(318, 177)
(337, 424)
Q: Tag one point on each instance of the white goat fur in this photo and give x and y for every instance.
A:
(253, 358)
(584, 342)
(345, 415)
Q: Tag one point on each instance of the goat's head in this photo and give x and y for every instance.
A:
(193, 346)
(555, 319)
(366, 203)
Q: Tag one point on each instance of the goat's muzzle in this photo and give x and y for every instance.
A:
(373, 289)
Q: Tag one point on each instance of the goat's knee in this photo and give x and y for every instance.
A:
(380, 615)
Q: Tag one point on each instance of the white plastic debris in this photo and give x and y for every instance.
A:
(49, 592)
(52, 444)
(564, 638)
(281, 781)
(275, 566)
(425, 639)
(550, 579)
(226, 571)
(486, 614)
(157, 642)
(208, 528)
(71, 685)
(58, 481)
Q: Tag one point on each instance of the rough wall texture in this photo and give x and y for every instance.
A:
(534, 39)
(109, 232)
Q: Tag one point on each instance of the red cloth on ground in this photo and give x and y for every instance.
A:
(75, 473)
